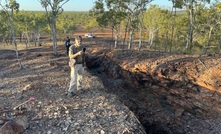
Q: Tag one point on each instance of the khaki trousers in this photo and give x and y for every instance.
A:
(76, 77)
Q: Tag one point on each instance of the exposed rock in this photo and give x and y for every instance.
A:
(176, 80)
(15, 127)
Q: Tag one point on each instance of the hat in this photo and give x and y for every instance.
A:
(79, 38)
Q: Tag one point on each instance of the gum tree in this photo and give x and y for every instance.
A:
(9, 8)
(191, 17)
(53, 8)
(209, 28)
(136, 8)
(112, 17)
(155, 20)
(172, 22)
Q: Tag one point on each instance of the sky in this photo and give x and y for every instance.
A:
(77, 5)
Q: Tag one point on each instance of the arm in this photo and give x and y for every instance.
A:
(72, 56)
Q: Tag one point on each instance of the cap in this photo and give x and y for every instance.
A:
(79, 38)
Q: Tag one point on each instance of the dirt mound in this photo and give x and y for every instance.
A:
(211, 78)
(177, 89)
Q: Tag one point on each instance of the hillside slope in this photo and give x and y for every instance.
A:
(125, 91)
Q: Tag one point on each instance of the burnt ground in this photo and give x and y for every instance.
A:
(125, 91)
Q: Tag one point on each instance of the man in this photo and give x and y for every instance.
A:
(76, 54)
(67, 44)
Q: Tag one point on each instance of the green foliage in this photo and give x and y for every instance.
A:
(36, 21)
(3, 26)
(90, 27)
(112, 13)
(112, 17)
(155, 22)
(206, 27)
(13, 5)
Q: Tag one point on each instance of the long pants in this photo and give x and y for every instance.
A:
(76, 77)
(67, 50)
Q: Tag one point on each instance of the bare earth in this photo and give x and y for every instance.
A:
(125, 91)
(46, 78)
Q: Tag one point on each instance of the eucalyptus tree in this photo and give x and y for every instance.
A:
(112, 18)
(38, 25)
(172, 22)
(155, 21)
(4, 32)
(23, 25)
(209, 28)
(53, 8)
(136, 9)
(102, 17)
(29, 25)
(180, 32)
(116, 19)
(125, 24)
(190, 4)
(9, 8)
(218, 10)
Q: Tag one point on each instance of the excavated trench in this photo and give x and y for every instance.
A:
(164, 101)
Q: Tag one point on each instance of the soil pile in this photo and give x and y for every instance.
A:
(169, 93)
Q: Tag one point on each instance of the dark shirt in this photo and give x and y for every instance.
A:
(73, 50)
(67, 42)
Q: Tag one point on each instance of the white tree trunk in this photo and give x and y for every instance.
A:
(54, 38)
(14, 40)
(116, 36)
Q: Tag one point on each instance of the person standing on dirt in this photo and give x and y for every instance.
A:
(67, 44)
(77, 62)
